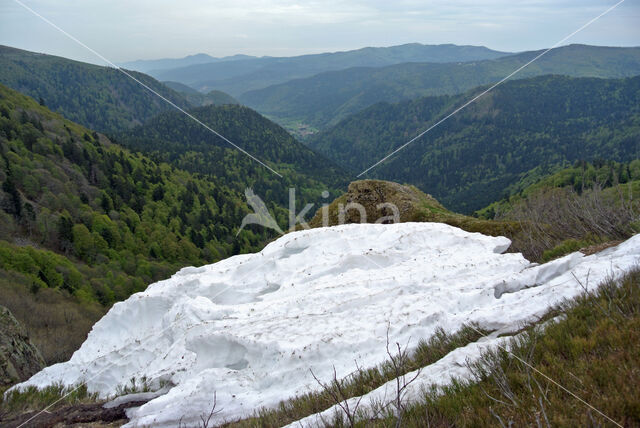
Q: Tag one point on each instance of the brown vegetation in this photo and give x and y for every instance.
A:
(563, 217)
(57, 322)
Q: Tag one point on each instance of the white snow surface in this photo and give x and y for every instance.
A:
(381, 400)
(250, 328)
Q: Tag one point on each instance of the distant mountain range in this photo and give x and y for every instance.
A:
(146, 66)
(237, 77)
(325, 99)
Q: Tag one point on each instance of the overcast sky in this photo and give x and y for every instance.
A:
(123, 30)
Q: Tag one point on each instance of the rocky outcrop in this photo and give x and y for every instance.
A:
(19, 358)
(380, 200)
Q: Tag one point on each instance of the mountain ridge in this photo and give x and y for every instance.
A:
(326, 98)
(100, 98)
(155, 65)
(241, 76)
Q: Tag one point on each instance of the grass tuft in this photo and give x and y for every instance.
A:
(34, 399)
(361, 381)
(593, 351)
(589, 345)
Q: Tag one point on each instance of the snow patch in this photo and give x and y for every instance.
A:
(250, 328)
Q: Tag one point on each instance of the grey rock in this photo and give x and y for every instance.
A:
(19, 357)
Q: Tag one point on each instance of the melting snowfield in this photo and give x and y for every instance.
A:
(251, 327)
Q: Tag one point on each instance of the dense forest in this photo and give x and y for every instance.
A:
(73, 191)
(100, 98)
(471, 160)
(173, 138)
(199, 99)
(96, 222)
(325, 99)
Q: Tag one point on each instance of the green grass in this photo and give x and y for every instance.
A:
(361, 382)
(134, 386)
(593, 352)
(58, 396)
(34, 399)
(592, 348)
(568, 246)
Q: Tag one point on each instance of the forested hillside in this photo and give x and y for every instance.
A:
(173, 138)
(579, 177)
(325, 99)
(100, 98)
(471, 159)
(199, 99)
(85, 223)
(237, 77)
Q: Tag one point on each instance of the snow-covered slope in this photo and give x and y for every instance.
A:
(249, 328)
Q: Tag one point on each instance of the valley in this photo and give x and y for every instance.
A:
(226, 263)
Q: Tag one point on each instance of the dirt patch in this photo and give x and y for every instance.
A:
(593, 249)
(76, 415)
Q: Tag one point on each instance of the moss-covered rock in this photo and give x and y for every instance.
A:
(19, 358)
(374, 196)
(413, 205)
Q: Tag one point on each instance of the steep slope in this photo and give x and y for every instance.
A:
(472, 158)
(249, 329)
(83, 216)
(171, 137)
(238, 77)
(100, 98)
(323, 100)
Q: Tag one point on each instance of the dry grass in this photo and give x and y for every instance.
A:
(594, 352)
(556, 218)
(57, 322)
(361, 381)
